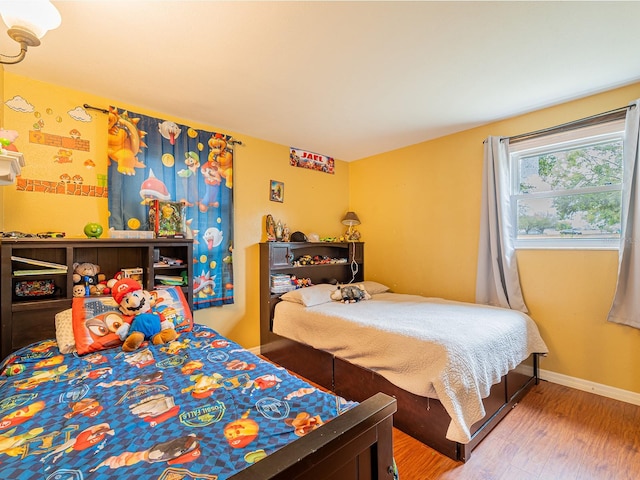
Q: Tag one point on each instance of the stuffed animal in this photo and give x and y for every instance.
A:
(112, 281)
(141, 323)
(86, 269)
(87, 275)
(79, 290)
(350, 293)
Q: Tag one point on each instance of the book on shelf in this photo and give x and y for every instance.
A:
(281, 283)
(170, 280)
(40, 263)
(280, 279)
(38, 271)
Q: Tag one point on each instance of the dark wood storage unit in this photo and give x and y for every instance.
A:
(279, 257)
(26, 320)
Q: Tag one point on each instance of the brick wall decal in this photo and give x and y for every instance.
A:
(50, 140)
(61, 188)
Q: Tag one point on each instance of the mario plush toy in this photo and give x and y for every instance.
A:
(142, 324)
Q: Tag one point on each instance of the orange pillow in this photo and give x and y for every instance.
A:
(95, 321)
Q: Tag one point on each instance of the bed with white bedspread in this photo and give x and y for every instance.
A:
(435, 348)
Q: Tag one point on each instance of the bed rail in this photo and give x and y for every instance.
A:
(355, 445)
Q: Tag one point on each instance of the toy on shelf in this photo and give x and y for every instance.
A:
(301, 282)
(168, 262)
(167, 219)
(276, 231)
(87, 280)
(305, 260)
(93, 230)
(270, 228)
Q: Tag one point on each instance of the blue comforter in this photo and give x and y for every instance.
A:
(200, 407)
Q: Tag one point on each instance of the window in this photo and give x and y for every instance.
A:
(566, 188)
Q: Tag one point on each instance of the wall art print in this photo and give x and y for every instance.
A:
(276, 191)
(154, 159)
(313, 161)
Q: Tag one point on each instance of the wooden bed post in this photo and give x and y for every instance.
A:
(356, 445)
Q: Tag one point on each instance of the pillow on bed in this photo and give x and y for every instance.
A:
(172, 304)
(310, 296)
(64, 331)
(374, 287)
(95, 321)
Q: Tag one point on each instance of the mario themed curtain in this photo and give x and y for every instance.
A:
(155, 163)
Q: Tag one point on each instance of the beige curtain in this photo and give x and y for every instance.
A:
(626, 302)
(497, 280)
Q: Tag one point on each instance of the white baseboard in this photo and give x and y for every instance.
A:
(592, 387)
(255, 350)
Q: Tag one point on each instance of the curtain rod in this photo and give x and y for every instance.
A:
(231, 139)
(610, 115)
(86, 105)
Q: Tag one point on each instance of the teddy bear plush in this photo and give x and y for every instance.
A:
(350, 293)
(141, 323)
(87, 275)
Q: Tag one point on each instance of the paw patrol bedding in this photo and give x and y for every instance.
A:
(198, 407)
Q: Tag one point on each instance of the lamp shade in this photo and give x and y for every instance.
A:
(37, 16)
(350, 219)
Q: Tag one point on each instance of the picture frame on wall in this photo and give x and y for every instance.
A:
(276, 191)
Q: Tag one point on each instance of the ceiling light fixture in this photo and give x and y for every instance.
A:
(28, 22)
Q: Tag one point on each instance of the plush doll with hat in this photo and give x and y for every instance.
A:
(136, 303)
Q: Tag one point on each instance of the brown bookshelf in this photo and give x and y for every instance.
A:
(25, 320)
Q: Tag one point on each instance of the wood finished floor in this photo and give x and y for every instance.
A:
(554, 433)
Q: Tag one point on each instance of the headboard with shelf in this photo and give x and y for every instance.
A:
(25, 320)
(282, 258)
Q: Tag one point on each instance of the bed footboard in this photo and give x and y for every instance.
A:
(423, 418)
(355, 445)
(426, 419)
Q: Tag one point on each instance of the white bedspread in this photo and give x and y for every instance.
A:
(436, 348)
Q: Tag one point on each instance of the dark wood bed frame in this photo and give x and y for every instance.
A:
(355, 445)
(423, 418)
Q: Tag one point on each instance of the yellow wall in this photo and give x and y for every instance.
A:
(3, 126)
(42, 108)
(422, 225)
(419, 208)
(313, 201)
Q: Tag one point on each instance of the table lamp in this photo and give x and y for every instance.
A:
(350, 219)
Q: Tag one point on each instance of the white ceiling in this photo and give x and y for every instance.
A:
(345, 79)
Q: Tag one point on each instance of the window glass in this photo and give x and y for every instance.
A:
(566, 190)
